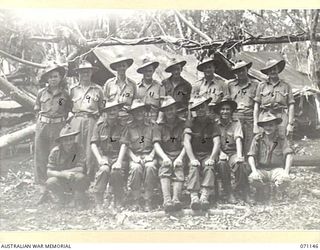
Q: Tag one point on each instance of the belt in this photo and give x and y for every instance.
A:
(45, 119)
(273, 109)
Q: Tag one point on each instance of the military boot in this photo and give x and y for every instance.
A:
(166, 192)
(195, 202)
(204, 198)
(177, 189)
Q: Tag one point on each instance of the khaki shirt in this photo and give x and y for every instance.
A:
(202, 133)
(170, 136)
(60, 160)
(230, 132)
(217, 89)
(243, 95)
(138, 138)
(150, 93)
(181, 92)
(125, 94)
(89, 99)
(107, 137)
(269, 154)
(53, 104)
(273, 96)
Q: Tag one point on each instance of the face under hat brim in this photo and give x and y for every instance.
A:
(170, 67)
(114, 66)
(155, 65)
(281, 64)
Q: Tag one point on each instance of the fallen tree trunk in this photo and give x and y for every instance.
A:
(17, 94)
(17, 136)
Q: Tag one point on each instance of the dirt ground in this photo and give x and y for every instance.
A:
(299, 210)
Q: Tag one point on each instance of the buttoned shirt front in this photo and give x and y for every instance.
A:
(180, 92)
(243, 95)
(230, 132)
(53, 104)
(87, 99)
(273, 96)
(202, 133)
(124, 94)
(60, 160)
(150, 93)
(138, 137)
(216, 88)
(107, 137)
(269, 153)
(170, 136)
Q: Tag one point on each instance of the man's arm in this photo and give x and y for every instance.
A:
(216, 148)
(255, 117)
(288, 163)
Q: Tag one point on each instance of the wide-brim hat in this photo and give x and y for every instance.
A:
(146, 63)
(137, 104)
(218, 105)
(168, 101)
(196, 102)
(268, 117)
(202, 65)
(272, 63)
(67, 131)
(174, 62)
(121, 59)
(112, 104)
(85, 65)
(240, 65)
(50, 68)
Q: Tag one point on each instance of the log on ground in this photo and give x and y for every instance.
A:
(17, 136)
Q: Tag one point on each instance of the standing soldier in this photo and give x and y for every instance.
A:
(243, 91)
(149, 89)
(105, 145)
(275, 96)
(87, 98)
(168, 144)
(53, 104)
(176, 86)
(231, 155)
(270, 157)
(202, 145)
(138, 137)
(66, 168)
(210, 85)
(120, 88)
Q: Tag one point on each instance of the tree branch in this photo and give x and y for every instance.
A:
(5, 54)
(295, 22)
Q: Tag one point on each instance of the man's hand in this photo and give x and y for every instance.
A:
(289, 129)
(209, 162)
(195, 163)
(255, 176)
(255, 129)
(69, 175)
(177, 163)
(103, 161)
(116, 165)
(148, 158)
(135, 159)
(166, 162)
(239, 159)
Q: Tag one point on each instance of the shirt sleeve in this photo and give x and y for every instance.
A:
(156, 133)
(95, 134)
(238, 132)
(254, 148)
(290, 96)
(216, 131)
(101, 99)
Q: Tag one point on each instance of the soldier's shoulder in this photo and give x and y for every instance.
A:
(110, 80)
(231, 82)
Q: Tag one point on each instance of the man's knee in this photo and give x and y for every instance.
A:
(52, 181)
(135, 167)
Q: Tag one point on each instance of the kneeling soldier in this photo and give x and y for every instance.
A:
(168, 144)
(66, 167)
(270, 156)
(202, 145)
(138, 138)
(231, 157)
(106, 146)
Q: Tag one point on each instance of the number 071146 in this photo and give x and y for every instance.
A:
(313, 246)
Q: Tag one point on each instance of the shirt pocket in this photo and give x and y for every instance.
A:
(281, 96)
(45, 103)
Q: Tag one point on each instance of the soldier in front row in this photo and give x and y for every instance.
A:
(168, 144)
(66, 169)
(202, 145)
(106, 146)
(143, 171)
(270, 157)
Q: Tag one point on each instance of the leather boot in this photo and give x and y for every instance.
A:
(166, 192)
(204, 198)
(177, 189)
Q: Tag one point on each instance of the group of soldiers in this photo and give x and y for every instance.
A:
(126, 138)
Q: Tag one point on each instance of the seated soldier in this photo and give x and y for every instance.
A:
(202, 145)
(168, 144)
(105, 145)
(66, 168)
(270, 157)
(231, 157)
(143, 172)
